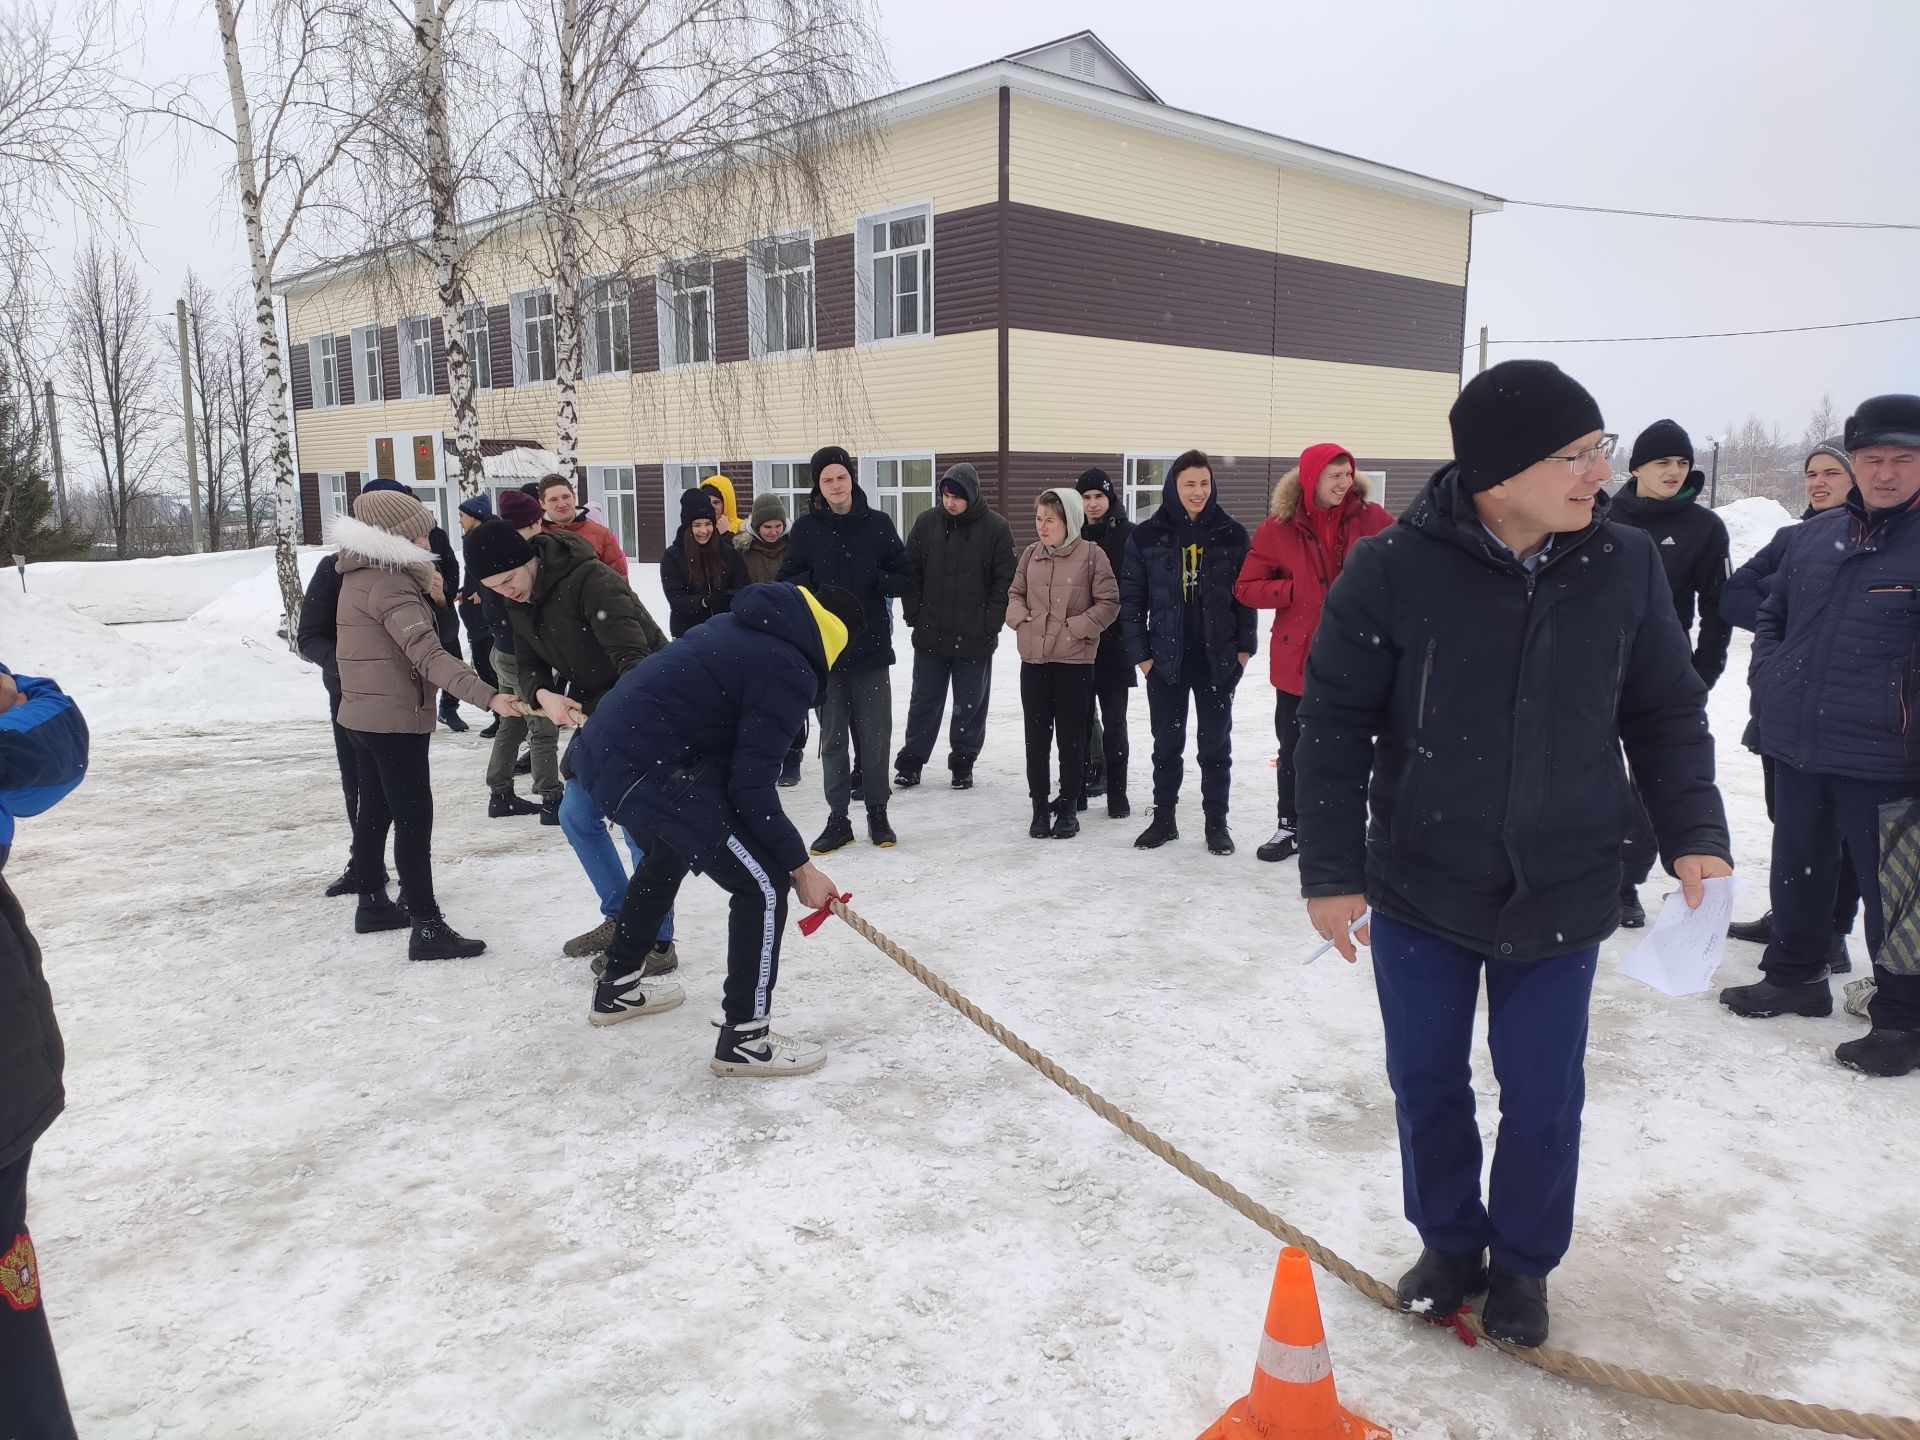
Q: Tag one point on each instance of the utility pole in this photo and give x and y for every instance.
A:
(186, 409)
(1713, 485)
(1483, 349)
(59, 471)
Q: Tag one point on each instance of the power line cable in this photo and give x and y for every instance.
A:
(1702, 335)
(1721, 219)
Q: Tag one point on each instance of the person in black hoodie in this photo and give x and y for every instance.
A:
(1659, 498)
(474, 510)
(1190, 637)
(842, 541)
(1476, 670)
(1107, 751)
(316, 638)
(702, 569)
(962, 556)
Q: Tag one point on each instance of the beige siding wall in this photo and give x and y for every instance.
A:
(1068, 159)
(1079, 395)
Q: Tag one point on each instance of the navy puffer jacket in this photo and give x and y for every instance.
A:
(1836, 652)
(1153, 615)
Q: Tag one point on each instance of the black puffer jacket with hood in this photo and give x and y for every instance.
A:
(860, 552)
(963, 565)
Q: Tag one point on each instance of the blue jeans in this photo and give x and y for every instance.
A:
(585, 827)
(1537, 1032)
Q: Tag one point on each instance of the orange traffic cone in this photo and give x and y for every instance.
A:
(1292, 1396)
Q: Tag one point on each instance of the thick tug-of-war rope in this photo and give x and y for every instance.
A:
(1770, 1408)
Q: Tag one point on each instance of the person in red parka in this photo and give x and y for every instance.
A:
(1320, 509)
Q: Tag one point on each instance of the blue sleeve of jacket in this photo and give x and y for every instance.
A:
(1740, 597)
(1133, 604)
(1351, 667)
(1663, 724)
(43, 748)
(770, 718)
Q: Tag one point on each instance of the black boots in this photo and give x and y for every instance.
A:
(1042, 825)
(502, 804)
(1219, 838)
(1280, 846)
(1632, 913)
(1763, 1000)
(906, 771)
(963, 774)
(856, 784)
(1440, 1283)
(550, 807)
(878, 830)
(839, 832)
(1066, 822)
(1117, 806)
(493, 729)
(789, 771)
(450, 715)
(1160, 831)
(1515, 1312)
(434, 939)
(1754, 932)
(1882, 1052)
(345, 885)
(376, 912)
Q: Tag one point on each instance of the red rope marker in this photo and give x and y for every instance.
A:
(1458, 1325)
(818, 918)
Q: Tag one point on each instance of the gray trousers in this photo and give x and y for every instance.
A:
(861, 700)
(539, 732)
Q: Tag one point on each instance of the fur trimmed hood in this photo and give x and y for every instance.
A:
(364, 546)
(1286, 495)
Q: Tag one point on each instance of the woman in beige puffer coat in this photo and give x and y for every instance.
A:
(1064, 594)
(391, 667)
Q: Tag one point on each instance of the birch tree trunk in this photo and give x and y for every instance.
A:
(566, 220)
(285, 491)
(449, 263)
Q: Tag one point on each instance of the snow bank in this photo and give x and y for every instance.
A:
(169, 587)
(1751, 523)
(249, 608)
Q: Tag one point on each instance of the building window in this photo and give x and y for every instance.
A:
(780, 294)
(365, 353)
(473, 325)
(608, 340)
(333, 497)
(901, 485)
(416, 357)
(790, 479)
(612, 485)
(324, 367)
(531, 313)
(682, 476)
(685, 305)
(895, 269)
(1146, 477)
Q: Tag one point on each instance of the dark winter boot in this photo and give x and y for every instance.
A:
(857, 784)
(1839, 962)
(878, 830)
(1066, 822)
(839, 832)
(1096, 781)
(450, 715)
(1763, 1000)
(434, 939)
(963, 774)
(1632, 913)
(1117, 806)
(345, 885)
(1440, 1283)
(1515, 1311)
(1042, 825)
(493, 729)
(378, 913)
(1882, 1052)
(790, 771)
(1280, 846)
(523, 762)
(503, 803)
(906, 771)
(550, 807)
(1160, 831)
(1219, 838)
(1754, 932)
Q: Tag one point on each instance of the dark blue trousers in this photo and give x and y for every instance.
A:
(1537, 1031)
(1167, 711)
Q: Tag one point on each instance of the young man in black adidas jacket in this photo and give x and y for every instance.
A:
(1660, 498)
(1477, 669)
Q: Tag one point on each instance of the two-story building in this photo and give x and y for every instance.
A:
(1044, 268)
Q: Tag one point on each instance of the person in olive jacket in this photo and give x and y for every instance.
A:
(577, 628)
(702, 570)
(1108, 752)
(763, 546)
(1476, 670)
(962, 554)
(43, 756)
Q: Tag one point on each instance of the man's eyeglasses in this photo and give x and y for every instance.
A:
(1581, 461)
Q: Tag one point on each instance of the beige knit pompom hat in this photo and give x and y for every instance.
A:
(394, 513)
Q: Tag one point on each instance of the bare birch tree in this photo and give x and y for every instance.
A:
(209, 348)
(61, 116)
(249, 433)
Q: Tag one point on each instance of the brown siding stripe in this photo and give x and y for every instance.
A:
(966, 270)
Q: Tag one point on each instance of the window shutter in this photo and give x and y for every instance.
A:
(863, 281)
(757, 254)
(437, 333)
(390, 360)
(300, 375)
(517, 327)
(500, 346)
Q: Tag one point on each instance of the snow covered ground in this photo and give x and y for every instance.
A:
(304, 1188)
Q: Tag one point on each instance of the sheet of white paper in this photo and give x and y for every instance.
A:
(1683, 946)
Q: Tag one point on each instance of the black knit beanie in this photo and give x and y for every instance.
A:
(493, 547)
(1515, 415)
(829, 455)
(1097, 479)
(1658, 441)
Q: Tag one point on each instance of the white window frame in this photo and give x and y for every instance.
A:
(1377, 479)
(768, 481)
(878, 493)
(609, 296)
(611, 485)
(866, 330)
(539, 356)
(758, 280)
(333, 498)
(323, 371)
(479, 355)
(363, 345)
(673, 477)
(1132, 490)
(416, 357)
(670, 299)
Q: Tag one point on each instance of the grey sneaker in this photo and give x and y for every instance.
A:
(594, 942)
(660, 959)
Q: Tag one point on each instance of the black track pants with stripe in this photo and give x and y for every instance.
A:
(756, 918)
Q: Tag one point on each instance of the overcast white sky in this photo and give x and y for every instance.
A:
(1741, 107)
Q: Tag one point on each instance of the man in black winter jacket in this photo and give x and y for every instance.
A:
(1477, 670)
(1108, 527)
(1659, 498)
(842, 541)
(963, 563)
